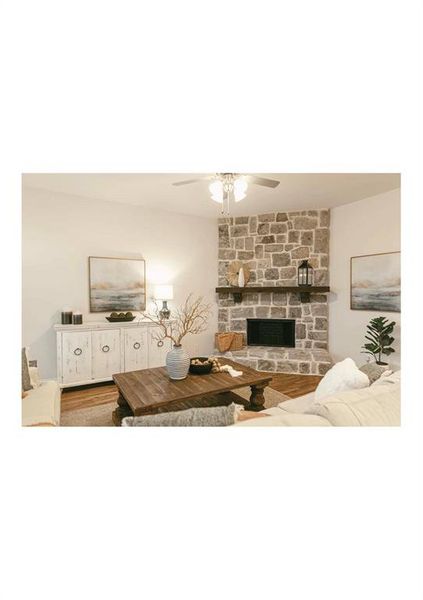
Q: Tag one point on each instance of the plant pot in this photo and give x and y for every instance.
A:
(177, 363)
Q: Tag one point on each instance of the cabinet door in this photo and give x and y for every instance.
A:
(105, 353)
(76, 356)
(157, 350)
(136, 348)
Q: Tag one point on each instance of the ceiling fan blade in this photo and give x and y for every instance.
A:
(272, 183)
(187, 181)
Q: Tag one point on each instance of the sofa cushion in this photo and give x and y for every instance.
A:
(285, 420)
(371, 406)
(41, 406)
(345, 375)
(297, 405)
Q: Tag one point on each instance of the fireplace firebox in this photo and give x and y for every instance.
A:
(271, 332)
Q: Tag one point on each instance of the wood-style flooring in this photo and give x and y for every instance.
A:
(291, 385)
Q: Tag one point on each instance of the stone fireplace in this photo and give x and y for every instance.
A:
(273, 245)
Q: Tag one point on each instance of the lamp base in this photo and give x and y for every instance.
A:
(164, 312)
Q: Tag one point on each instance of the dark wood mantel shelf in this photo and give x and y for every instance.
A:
(304, 291)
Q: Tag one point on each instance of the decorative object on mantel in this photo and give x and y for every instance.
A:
(278, 289)
(379, 335)
(376, 282)
(120, 317)
(305, 274)
(233, 274)
(67, 316)
(116, 284)
(241, 277)
(229, 340)
(164, 293)
(77, 318)
(191, 317)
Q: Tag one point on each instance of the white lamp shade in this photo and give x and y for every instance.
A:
(163, 292)
(216, 190)
(240, 189)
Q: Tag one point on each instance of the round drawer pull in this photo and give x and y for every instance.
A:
(159, 343)
(77, 351)
(137, 345)
(105, 348)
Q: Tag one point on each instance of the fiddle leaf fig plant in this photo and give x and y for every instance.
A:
(379, 339)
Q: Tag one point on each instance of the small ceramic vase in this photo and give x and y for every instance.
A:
(241, 278)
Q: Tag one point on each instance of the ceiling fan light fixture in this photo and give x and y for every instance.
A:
(229, 187)
(240, 189)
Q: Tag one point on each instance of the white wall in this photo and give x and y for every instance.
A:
(60, 232)
(369, 226)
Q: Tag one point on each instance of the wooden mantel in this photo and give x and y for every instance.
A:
(303, 290)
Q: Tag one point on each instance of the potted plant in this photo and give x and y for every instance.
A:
(379, 335)
(192, 318)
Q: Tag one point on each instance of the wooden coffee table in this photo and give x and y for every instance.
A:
(150, 391)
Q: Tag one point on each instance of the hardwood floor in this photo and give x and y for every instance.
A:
(291, 385)
(73, 399)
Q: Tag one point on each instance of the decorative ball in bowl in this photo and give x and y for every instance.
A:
(200, 365)
(118, 317)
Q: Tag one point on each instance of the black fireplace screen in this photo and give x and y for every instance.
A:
(271, 332)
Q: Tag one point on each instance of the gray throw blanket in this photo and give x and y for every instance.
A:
(215, 416)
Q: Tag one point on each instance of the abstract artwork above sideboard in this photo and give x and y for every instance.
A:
(116, 284)
(376, 282)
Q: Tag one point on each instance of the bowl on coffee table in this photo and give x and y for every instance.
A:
(200, 365)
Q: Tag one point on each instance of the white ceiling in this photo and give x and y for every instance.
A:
(296, 191)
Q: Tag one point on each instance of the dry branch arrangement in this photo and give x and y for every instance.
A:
(191, 317)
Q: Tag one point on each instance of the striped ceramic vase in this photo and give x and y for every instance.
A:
(177, 363)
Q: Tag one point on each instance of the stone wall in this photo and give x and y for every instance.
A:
(273, 245)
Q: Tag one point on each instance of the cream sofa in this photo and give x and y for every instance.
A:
(375, 405)
(41, 405)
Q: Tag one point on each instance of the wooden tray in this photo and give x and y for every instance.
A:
(119, 319)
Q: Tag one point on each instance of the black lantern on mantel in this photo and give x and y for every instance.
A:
(305, 274)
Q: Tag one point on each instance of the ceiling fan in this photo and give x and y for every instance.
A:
(225, 185)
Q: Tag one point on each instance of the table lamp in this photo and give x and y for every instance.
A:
(164, 293)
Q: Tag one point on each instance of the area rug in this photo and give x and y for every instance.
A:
(101, 415)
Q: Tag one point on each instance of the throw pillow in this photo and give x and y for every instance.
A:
(34, 376)
(388, 378)
(213, 416)
(345, 375)
(26, 380)
(374, 371)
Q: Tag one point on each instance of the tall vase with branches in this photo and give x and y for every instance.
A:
(189, 318)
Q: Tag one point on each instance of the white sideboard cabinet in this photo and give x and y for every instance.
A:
(93, 352)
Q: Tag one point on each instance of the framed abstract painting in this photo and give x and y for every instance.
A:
(116, 284)
(376, 282)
